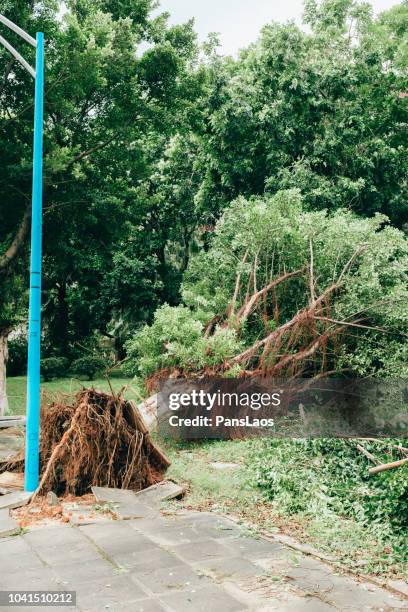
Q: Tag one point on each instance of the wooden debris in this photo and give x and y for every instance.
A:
(368, 454)
(387, 466)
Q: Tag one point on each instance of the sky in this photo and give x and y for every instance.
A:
(239, 21)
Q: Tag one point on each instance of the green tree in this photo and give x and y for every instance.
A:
(106, 98)
(321, 110)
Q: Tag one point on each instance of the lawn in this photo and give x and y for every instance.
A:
(17, 385)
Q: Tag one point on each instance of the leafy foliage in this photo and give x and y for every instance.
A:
(257, 241)
(88, 366)
(54, 367)
(326, 478)
(175, 340)
(17, 359)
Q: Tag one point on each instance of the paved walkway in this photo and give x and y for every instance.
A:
(188, 561)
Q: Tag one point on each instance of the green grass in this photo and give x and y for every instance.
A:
(16, 389)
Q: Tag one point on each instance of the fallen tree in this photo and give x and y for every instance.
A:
(285, 293)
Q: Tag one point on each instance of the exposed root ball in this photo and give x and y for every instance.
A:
(100, 440)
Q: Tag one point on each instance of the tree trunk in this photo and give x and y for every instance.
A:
(3, 362)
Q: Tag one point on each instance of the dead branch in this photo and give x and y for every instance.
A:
(18, 240)
(354, 324)
(231, 308)
(350, 262)
(368, 455)
(387, 466)
(245, 310)
(311, 273)
(402, 449)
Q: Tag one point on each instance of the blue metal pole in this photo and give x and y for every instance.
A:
(34, 327)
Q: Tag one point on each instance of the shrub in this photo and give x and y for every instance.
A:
(17, 360)
(54, 367)
(175, 339)
(88, 366)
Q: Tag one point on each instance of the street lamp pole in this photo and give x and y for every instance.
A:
(32, 450)
(34, 328)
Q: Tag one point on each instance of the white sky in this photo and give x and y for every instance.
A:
(239, 21)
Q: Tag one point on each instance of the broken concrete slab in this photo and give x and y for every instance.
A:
(12, 480)
(15, 499)
(8, 525)
(115, 496)
(162, 491)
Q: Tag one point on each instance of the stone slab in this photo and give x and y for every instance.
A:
(12, 480)
(81, 574)
(108, 494)
(202, 549)
(8, 526)
(14, 500)
(228, 568)
(162, 491)
(107, 592)
(170, 579)
(149, 560)
(202, 600)
(133, 510)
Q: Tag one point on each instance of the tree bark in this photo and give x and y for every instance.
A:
(18, 240)
(3, 361)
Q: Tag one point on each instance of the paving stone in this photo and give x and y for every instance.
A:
(174, 535)
(14, 545)
(35, 579)
(56, 536)
(15, 500)
(104, 530)
(19, 562)
(136, 544)
(350, 595)
(133, 509)
(152, 559)
(306, 605)
(8, 526)
(175, 578)
(109, 591)
(143, 605)
(80, 552)
(228, 568)
(212, 529)
(152, 525)
(254, 548)
(206, 599)
(108, 494)
(202, 549)
(160, 492)
(83, 573)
